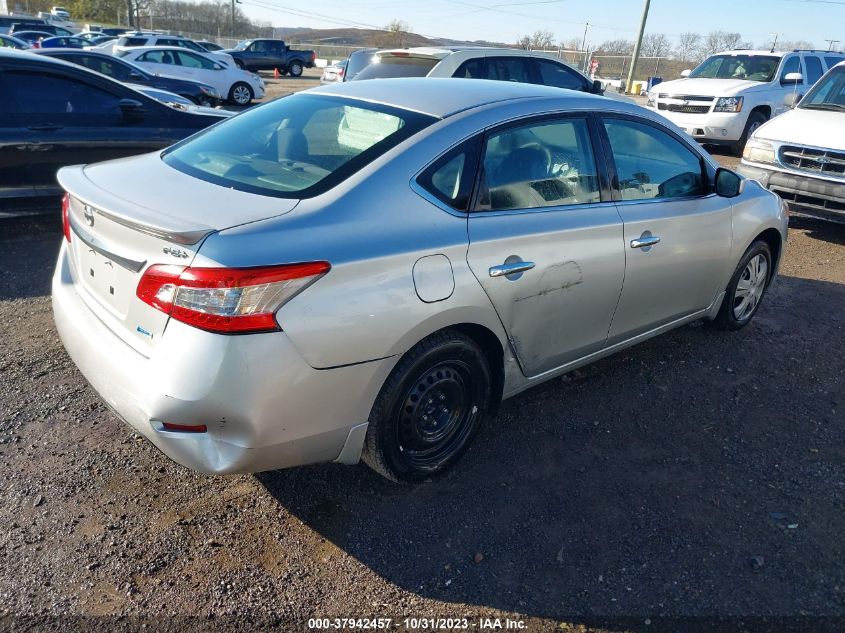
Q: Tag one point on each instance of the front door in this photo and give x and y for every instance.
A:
(15, 151)
(677, 233)
(544, 242)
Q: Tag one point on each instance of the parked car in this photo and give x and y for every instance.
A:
(501, 64)
(7, 21)
(179, 102)
(57, 114)
(358, 61)
(65, 42)
(130, 41)
(265, 305)
(60, 12)
(40, 26)
(334, 72)
(264, 54)
(127, 72)
(33, 38)
(10, 41)
(210, 46)
(731, 94)
(238, 86)
(800, 155)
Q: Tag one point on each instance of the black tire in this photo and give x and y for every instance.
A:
(728, 319)
(295, 69)
(241, 94)
(755, 120)
(429, 409)
(206, 102)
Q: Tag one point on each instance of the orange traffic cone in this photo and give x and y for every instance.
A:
(276, 74)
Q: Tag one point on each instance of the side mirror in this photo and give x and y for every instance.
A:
(729, 184)
(218, 67)
(597, 88)
(792, 99)
(131, 109)
(792, 79)
(686, 73)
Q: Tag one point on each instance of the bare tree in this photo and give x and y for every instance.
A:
(397, 34)
(523, 42)
(689, 45)
(791, 45)
(718, 41)
(655, 45)
(616, 47)
(539, 40)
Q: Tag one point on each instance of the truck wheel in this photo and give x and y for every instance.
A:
(240, 94)
(755, 120)
(295, 69)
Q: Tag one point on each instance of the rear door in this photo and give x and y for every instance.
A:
(677, 236)
(546, 239)
(16, 153)
(71, 119)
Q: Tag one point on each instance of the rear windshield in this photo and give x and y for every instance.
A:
(748, 67)
(388, 66)
(828, 93)
(295, 147)
(357, 62)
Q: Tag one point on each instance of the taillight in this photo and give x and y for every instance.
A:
(340, 72)
(227, 300)
(313, 56)
(66, 216)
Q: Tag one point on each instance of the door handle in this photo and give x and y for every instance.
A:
(504, 270)
(645, 241)
(45, 127)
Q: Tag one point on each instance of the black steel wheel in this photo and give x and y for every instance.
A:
(429, 409)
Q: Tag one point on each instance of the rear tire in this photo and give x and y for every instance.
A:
(295, 69)
(241, 94)
(429, 409)
(746, 289)
(755, 120)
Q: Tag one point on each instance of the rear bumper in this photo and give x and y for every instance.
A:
(714, 128)
(264, 406)
(805, 195)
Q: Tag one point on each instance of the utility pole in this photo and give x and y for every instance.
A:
(830, 44)
(584, 44)
(636, 56)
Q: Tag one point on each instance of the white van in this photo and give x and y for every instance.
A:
(731, 94)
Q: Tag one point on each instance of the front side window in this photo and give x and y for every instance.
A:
(559, 76)
(509, 69)
(791, 65)
(814, 69)
(42, 93)
(651, 164)
(295, 147)
(746, 67)
(543, 164)
(190, 60)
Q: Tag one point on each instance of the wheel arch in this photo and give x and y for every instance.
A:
(772, 238)
(765, 110)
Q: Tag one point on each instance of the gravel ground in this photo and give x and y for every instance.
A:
(699, 476)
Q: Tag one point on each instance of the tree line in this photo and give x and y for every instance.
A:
(690, 47)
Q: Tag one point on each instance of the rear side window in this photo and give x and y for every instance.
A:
(158, 57)
(814, 69)
(543, 164)
(471, 69)
(515, 69)
(43, 93)
(132, 41)
(832, 61)
(651, 164)
(388, 66)
(295, 147)
(559, 76)
(451, 177)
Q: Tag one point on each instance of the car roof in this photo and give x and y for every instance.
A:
(131, 50)
(443, 97)
(742, 51)
(444, 51)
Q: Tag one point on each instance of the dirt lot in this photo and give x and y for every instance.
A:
(700, 475)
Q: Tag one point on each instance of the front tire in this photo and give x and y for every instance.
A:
(295, 69)
(429, 409)
(746, 289)
(241, 94)
(755, 121)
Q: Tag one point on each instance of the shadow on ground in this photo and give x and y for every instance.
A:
(680, 478)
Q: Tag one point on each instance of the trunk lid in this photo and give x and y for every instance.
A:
(130, 214)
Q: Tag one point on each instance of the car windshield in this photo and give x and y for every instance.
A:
(242, 45)
(388, 66)
(828, 93)
(295, 147)
(747, 67)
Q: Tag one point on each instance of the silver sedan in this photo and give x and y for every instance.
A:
(365, 270)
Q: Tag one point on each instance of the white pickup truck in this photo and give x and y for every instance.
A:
(801, 154)
(731, 94)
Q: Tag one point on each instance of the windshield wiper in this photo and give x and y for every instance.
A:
(833, 107)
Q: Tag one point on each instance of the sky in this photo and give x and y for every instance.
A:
(506, 20)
